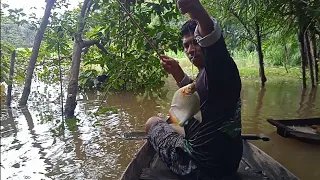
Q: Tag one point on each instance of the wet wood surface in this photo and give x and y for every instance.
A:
(300, 129)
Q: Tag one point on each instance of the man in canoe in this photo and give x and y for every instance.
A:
(212, 148)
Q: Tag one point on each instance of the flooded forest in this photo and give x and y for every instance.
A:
(78, 77)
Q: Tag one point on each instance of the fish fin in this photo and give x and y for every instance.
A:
(198, 116)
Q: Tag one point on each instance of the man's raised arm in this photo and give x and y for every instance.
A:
(198, 13)
(224, 83)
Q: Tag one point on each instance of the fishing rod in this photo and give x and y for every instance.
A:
(141, 30)
(143, 33)
(140, 135)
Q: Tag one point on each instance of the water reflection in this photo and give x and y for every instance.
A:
(311, 101)
(8, 126)
(259, 105)
(300, 158)
(30, 149)
(301, 103)
(284, 101)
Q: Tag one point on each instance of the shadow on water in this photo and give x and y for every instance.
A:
(308, 106)
(94, 149)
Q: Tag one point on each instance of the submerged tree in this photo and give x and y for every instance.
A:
(254, 23)
(257, 21)
(35, 51)
(304, 17)
(130, 62)
(78, 45)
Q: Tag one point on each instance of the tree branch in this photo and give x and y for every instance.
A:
(241, 21)
(63, 57)
(85, 50)
(89, 6)
(101, 47)
(81, 24)
(82, 15)
(89, 43)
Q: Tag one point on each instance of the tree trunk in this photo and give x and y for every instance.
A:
(314, 52)
(9, 91)
(303, 56)
(75, 66)
(73, 82)
(302, 27)
(310, 58)
(285, 56)
(35, 51)
(260, 53)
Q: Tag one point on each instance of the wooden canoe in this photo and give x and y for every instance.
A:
(255, 165)
(305, 130)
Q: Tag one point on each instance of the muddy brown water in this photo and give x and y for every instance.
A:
(30, 151)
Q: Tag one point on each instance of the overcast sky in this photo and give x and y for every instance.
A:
(39, 4)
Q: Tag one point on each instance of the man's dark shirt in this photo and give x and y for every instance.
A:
(216, 144)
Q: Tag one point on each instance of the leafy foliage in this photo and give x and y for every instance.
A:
(5, 53)
(131, 62)
(18, 36)
(278, 21)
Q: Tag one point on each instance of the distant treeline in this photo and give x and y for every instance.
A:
(18, 36)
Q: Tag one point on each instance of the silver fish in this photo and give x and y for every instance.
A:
(184, 105)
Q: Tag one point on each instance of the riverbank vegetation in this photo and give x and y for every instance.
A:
(247, 64)
(266, 39)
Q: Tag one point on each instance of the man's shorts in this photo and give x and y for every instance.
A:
(169, 146)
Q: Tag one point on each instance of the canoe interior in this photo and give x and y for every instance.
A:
(141, 160)
(255, 165)
(306, 130)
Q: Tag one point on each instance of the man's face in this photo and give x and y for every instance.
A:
(193, 50)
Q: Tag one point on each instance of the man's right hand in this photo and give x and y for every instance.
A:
(197, 12)
(172, 67)
(193, 7)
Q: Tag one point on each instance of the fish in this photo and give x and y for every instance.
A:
(185, 104)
